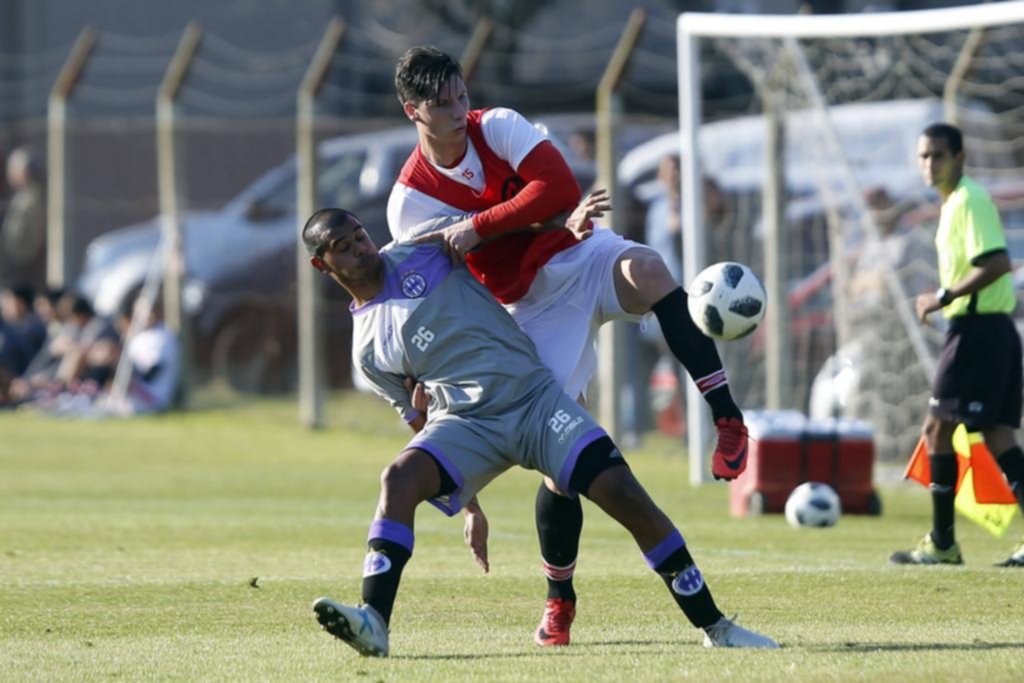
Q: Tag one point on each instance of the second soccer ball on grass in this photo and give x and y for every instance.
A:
(727, 300)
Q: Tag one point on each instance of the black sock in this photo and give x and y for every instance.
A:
(696, 352)
(943, 487)
(1012, 464)
(673, 562)
(389, 548)
(559, 524)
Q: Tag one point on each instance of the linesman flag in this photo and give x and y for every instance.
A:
(982, 494)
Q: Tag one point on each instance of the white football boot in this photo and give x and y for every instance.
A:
(727, 633)
(1017, 558)
(361, 627)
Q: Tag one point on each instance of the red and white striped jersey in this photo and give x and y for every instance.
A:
(498, 140)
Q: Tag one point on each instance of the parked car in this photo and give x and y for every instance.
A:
(240, 261)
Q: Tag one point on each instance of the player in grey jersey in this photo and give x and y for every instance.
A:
(494, 405)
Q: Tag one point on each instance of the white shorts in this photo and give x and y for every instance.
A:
(571, 297)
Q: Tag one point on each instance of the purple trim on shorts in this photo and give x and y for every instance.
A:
(659, 553)
(389, 530)
(570, 464)
(415, 277)
(454, 504)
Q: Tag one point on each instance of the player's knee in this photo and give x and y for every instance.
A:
(618, 486)
(405, 480)
(652, 277)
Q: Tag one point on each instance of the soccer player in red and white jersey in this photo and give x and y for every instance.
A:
(559, 285)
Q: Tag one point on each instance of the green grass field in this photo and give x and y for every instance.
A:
(190, 547)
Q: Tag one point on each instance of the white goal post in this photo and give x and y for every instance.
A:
(809, 89)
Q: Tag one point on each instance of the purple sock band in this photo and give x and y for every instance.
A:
(659, 553)
(395, 532)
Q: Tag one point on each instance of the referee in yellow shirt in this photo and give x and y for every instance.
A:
(978, 379)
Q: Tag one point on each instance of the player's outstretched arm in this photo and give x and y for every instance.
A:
(461, 237)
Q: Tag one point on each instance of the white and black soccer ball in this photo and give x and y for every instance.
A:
(727, 301)
(813, 504)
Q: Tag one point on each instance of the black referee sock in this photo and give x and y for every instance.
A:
(559, 524)
(694, 350)
(672, 561)
(389, 549)
(943, 487)
(1012, 464)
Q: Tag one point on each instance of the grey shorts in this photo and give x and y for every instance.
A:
(544, 433)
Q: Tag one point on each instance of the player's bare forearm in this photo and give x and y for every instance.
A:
(986, 271)
(992, 267)
(475, 531)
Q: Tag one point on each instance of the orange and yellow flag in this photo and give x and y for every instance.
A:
(982, 494)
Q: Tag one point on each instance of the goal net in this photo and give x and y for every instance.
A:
(808, 174)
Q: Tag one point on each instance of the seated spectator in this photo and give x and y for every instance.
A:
(154, 359)
(45, 306)
(150, 356)
(13, 359)
(17, 311)
(61, 363)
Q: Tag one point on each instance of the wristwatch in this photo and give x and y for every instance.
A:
(944, 297)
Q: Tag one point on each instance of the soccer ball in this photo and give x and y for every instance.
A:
(727, 301)
(813, 504)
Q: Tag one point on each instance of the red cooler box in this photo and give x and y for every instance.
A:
(786, 449)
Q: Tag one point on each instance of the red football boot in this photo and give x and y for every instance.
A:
(555, 624)
(730, 458)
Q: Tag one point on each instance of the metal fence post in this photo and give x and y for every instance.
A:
(58, 263)
(475, 48)
(611, 368)
(311, 329)
(169, 193)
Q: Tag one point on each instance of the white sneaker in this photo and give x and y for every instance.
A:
(727, 633)
(1017, 558)
(361, 627)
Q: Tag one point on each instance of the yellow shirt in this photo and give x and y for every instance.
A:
(969, 226)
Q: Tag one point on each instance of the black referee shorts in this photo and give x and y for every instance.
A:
(978, 379)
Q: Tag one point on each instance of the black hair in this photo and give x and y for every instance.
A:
(945, 131)
(81, 306)
(24, 293)
(318, 228)
(422, 72)
(53, 294)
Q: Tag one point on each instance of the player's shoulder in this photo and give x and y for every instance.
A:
(496, 116)
(970, 191)
(414, 165)
(398, 255)
(970, 199)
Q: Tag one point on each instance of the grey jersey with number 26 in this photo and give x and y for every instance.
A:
(436, 324)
